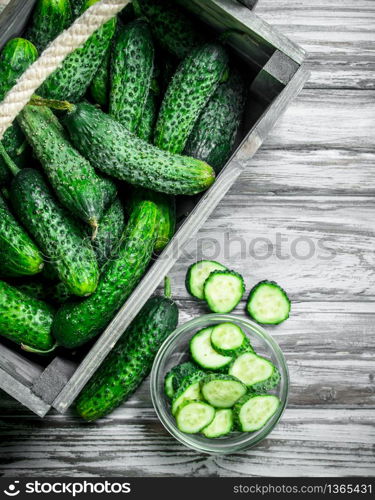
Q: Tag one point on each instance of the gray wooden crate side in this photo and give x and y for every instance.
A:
(171, 254)
(13, 19)
(18, 366)
(22, 393)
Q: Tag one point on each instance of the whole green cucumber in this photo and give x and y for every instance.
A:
(172, 26)
(132, 67)
(111, 148)
(49, 19)
(78, 322)
(25, 320)
(19, 255)
(167, 216)
(17, 55)
(193, 84)
(73, 77)
(130, 361)
(99, 87)
(72, 177)
(55, 231)
(215, 132)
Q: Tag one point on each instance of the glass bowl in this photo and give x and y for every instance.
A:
(175, 350)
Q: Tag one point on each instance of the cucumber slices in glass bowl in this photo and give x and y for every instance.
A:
(219, 384)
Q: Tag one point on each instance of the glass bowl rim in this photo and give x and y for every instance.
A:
(216, 447)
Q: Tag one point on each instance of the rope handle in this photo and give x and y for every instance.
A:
(68, 41)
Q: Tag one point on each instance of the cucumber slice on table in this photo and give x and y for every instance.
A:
(204, 355)
(228, 339)
(197, 275)
(175, 377)
(268, 303)
(222, 391)
(253, 411)
(255, 372)
(221, 425)
(223, 290)
(193, 416)
(190, 390)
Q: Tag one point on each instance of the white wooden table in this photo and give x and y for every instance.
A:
(310, 188)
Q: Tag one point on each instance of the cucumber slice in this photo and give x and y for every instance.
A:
(204, 355)
(222, 391)
(190, 390)
(193, 416)
(257, 373)
(223, 291)
(253, 411)
(221, 425)
(175, 377)
(228, 339)
(268, 303)
(197, 275)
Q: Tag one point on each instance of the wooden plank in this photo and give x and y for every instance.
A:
(338, 36)
(18, 366)
(132, 443)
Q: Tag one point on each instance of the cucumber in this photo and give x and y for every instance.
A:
(77, 7)
(72, 78)
(49, 19)
(194, 82)
(25, 320)
(167, 214)
(99, 86)
(132, 67)
(223, 291)
(197, 275)
(174, 377)
(78, 322)
(204, 355)
(74, 180)
(146, 125)
(19, 254)
(221, 425)
(228, 339)
(111, 228)
(55, 231)
(33, 287)
(130, 361)
(257, 373)
(17, 55)
(189, 390)
(193, 416)
(253, 411)
(115, 151)
(214, 134)
(172, 26)
(268, 303)
(222, 391)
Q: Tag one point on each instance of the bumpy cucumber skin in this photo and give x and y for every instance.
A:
(237, 408)
(268, 384)
(25, 320)
(179, 373)
(193, 84)
(253, 291)
(110, 231)
(50, 18)
(215, 131)
(130, 361)
(186, 382)
(114, 150)
(171, 26)
(19, 254)
(74, 180)
(71, 80)
(17, 55)
(217, 273)
(146, 126)
(56, 232)
(167, 209)
(36, 289)
(132, 66)
(77, 323)
(99, 87)
(77, 6)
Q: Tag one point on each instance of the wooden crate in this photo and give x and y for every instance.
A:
(275, 76)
